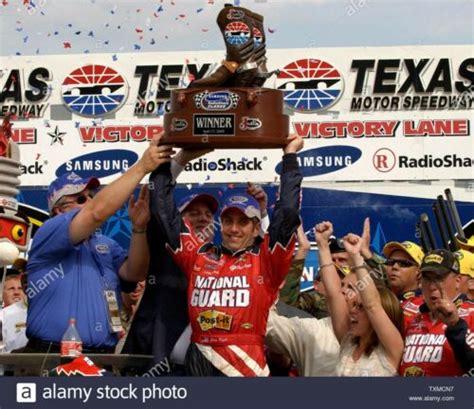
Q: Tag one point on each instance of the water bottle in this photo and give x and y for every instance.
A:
(71, 343)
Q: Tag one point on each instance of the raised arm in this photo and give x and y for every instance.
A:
(279, 241)
(135, 268)
(457, 331)
(332, 283)
(112, 197)
(303, 244)
(387, 333)
(179, 237)
(286, 218)
(290, 291)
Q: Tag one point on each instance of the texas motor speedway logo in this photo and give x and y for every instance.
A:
(310, 85)
(94, 90)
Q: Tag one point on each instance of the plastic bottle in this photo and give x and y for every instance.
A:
(71, 343)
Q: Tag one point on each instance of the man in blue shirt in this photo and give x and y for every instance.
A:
(73, 272)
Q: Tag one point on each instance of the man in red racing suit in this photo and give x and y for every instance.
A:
(440, 339)
(232, 286)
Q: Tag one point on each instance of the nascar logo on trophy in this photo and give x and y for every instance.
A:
(230, 108)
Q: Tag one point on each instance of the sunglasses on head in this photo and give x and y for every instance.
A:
(81, 199)
(402, 263)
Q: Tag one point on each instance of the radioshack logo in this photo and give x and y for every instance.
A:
(35, 168)
(310, 85)
(99, 164)
(225, 164)
(94, 90)
(328, 159)
(384, 160)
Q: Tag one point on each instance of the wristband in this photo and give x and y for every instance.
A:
(326, 265)
(364, 266)
(138, 231)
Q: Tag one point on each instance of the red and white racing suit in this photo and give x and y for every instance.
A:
(230, 293)
(410, 302)
(433, 349)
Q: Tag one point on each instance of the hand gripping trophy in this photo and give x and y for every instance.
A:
(229, 109)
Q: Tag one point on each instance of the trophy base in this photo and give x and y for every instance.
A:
(226, 118)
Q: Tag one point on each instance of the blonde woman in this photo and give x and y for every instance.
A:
(368, 323)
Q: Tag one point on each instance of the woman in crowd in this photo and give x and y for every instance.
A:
(369, 324)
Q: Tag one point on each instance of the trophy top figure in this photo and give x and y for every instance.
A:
(245, 63)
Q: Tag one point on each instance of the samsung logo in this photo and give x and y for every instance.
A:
(100, 164)
(324, 160)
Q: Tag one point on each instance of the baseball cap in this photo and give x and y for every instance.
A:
(469, 234)
(245, 203)
(17, 268)
(336, 245)
(210, 200)
(342, 270)
(408, 247)
(69, 184)
(466, 262)
(441, 262)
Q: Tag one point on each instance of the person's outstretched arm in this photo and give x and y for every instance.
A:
(135, 268)
(280, 238)
(112, 197)
(179, 237)
(291, 289)
(332, 283)
(458, 332)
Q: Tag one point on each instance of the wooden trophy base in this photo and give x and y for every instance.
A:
(226, 118)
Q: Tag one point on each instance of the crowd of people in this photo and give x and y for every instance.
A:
(235, 308)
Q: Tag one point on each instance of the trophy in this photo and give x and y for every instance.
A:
(229, 108)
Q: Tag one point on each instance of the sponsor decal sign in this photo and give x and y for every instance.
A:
(94, 90)
(250, 124)
(310, 85)
(408, 84)
(178, 124)
(214, 319)
(99, 164)
(371, 114)
(24, 91)
(324, 160)
(216, 101)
